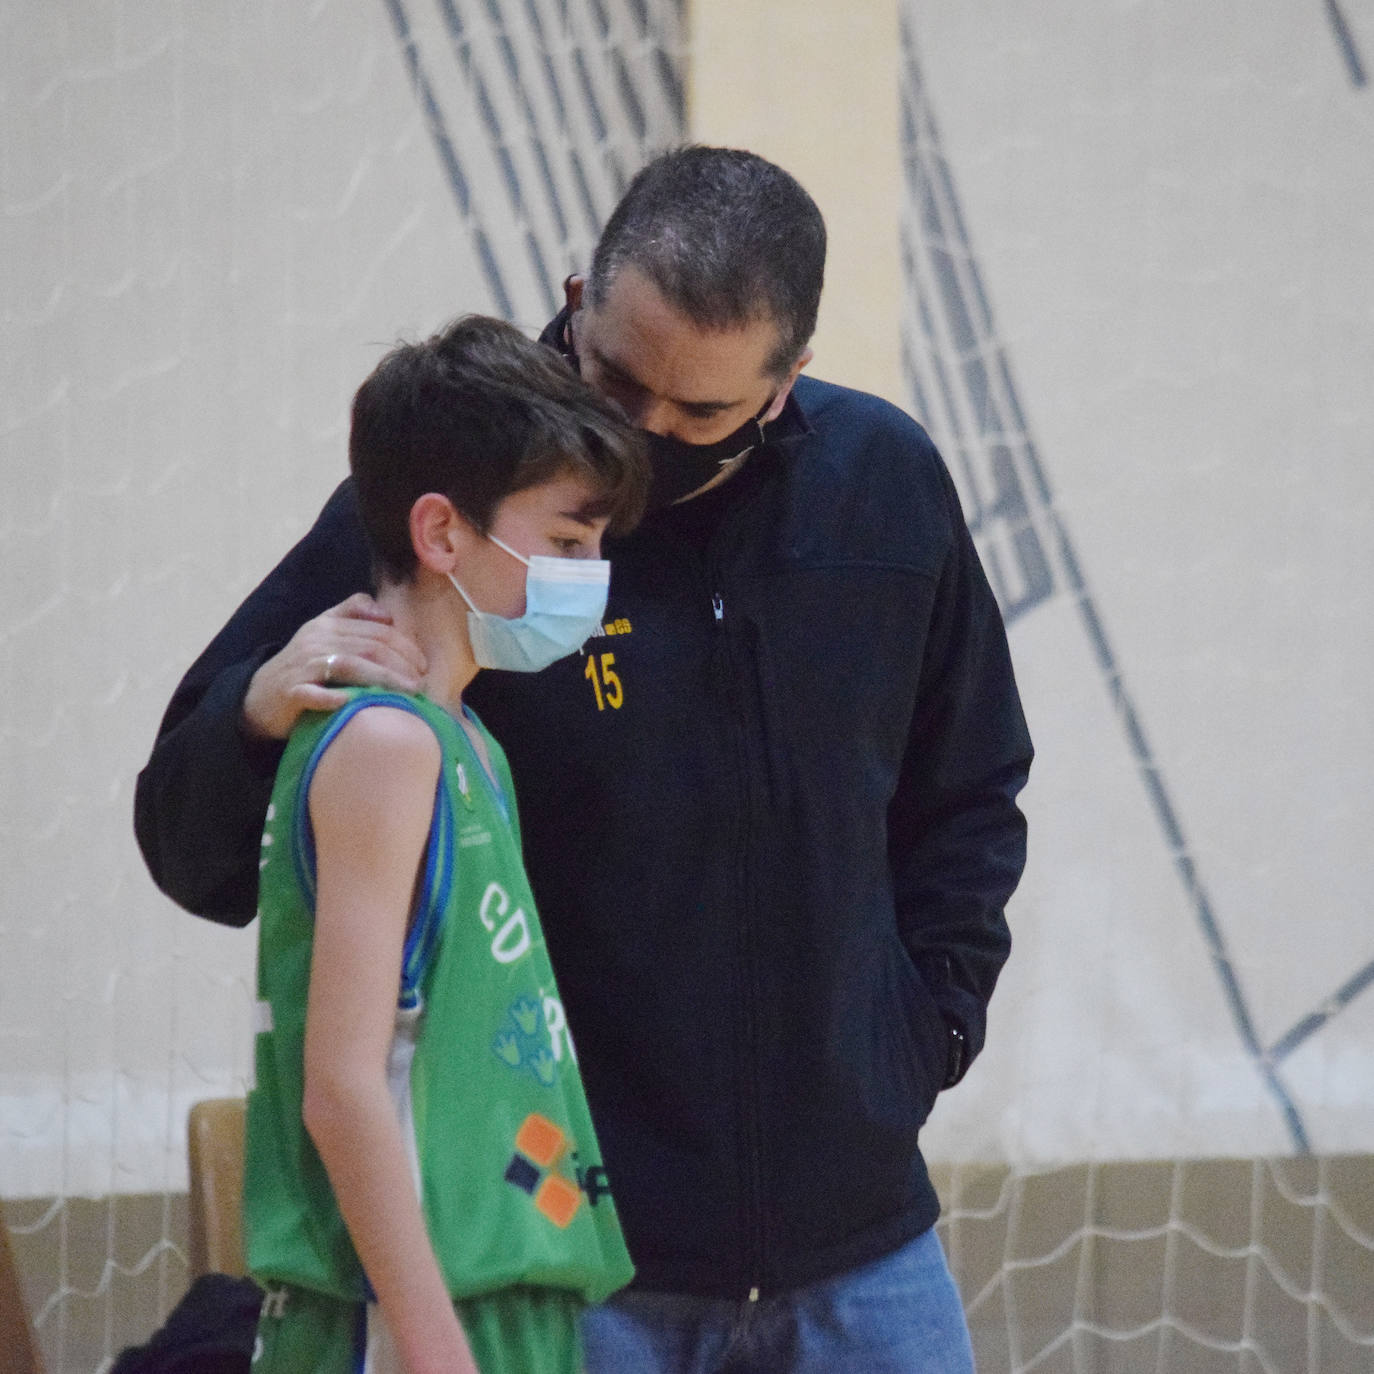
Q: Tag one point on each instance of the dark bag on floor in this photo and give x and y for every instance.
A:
(210, 1331)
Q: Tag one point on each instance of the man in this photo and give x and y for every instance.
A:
(769, 816)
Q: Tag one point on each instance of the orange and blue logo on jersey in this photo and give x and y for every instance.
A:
(539, 1146)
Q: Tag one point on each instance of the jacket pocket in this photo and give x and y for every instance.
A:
(923, 1042)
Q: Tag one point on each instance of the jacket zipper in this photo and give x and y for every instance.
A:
(749, 1087)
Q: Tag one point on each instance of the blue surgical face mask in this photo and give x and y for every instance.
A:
(565, 599)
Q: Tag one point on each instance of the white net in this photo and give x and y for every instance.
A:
(214, 219)
(1141, 327)
(1190, 1265)
(1150, 231)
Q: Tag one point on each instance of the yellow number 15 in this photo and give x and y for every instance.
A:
(604, 682)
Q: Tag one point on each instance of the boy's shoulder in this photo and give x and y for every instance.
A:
(373, 740)
(383, 709)
(371, 789)
(387, 732)
(383, 728)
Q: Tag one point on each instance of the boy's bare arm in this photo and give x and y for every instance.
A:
(370, 805)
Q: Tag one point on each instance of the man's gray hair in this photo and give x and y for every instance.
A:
(727, 237)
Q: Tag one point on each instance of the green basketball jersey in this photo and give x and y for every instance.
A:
(482, 1069)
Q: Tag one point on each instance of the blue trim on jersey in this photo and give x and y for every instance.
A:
(426, 923)
(497, 794)
(360, 1340)
(303, 837)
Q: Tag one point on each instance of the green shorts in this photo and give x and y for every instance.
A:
(516, 1331)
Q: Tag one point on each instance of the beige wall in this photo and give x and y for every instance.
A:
(814, 88)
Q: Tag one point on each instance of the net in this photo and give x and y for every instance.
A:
(215, 218)
(1149, 1025)
(1136, 247)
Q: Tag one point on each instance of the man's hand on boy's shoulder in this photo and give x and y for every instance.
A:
(351, 644)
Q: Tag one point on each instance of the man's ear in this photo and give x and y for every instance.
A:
(785, 390)
(440, 533)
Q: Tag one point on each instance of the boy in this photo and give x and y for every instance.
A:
(423, 1187)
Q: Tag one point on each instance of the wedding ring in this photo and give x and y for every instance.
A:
(329, 670)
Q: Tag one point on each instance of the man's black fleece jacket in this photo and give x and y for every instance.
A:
(770, 819)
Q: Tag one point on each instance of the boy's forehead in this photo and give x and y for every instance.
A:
(569, 494)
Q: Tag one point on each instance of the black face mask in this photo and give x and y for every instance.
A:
(679, 468)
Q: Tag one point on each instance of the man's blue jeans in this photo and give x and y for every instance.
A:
(899, 1315)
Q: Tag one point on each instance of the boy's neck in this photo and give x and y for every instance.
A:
(434, 616)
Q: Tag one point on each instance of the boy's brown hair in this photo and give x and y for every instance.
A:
(476, 412)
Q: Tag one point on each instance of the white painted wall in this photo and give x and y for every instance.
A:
(1173, 213)
(214, 218)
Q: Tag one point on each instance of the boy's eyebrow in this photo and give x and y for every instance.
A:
(625, 374)
(583, 515)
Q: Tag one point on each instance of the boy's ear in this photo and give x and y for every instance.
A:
(440, 533)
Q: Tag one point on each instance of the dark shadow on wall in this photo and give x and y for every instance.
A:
(1345, 41)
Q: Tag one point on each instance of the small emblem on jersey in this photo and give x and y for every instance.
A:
(524, 1041)
(539, 1145)
(534, 1036)
(464, 791)
(274, 1303)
